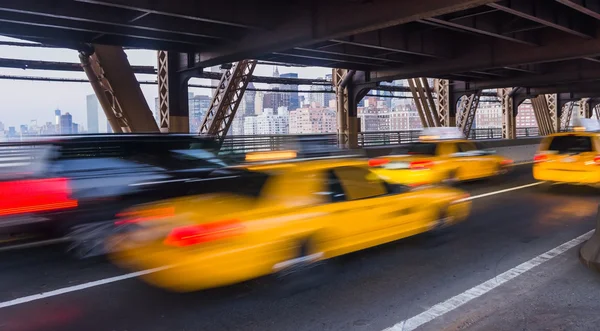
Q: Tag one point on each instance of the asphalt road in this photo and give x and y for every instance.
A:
(375, 289)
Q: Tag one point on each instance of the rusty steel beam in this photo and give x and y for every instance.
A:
(356, 52)
(312, 24)
(466, 112)
(543, 12)
(118, 90)
(226, 100)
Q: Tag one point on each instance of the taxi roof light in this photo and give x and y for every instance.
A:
(597, 159)
(270, 156)
(378, 162)
(441, 133)
(421, 164)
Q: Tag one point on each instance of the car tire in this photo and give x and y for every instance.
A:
(545, 186)
(306, 270)
(452, 179)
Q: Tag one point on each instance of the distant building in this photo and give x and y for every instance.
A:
(1, 126)
(23, 129)
(57, 116)
(312, 120)
(293, 100)
(488, 115)
(266, 123)
(198, 108)
(75, 128)
(12, 132)
(108, 127)
(247, 106)
(526, 117)
(66, 124)
(92, 113)
(258, 102)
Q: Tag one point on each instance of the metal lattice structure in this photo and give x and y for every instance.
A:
(226, 99)
(343, 107)
(442, 91)
(552, 101)
(584, 108)
(508, 119)
(465, 114)
(117, 89)
(567, 113)
(163, 91)
(419, 87)
(597, 111)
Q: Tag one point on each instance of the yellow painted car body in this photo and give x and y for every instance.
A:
(438, 161)
(338, 206)
(570, 157)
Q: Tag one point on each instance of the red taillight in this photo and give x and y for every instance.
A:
(421, 164)
(540, 158)
(35, 195)
(144, 215)
(378, 162)
(198, 234)
(506, 162)
(597, 159)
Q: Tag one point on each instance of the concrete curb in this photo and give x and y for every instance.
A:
(589, 253)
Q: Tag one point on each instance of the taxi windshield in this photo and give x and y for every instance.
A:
(422, 149)
(571, 144)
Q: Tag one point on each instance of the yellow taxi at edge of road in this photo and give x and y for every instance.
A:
(441, 155)
(570, 157)
(270, 217)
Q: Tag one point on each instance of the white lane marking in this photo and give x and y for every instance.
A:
(149, 271)
(79, 287)
(483, 288)
(499, 192)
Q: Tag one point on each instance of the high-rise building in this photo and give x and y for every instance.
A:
(57, 116)
(294, 100)
(1, 126)
(75, 128)
(259, 102)
(273, 100)
(108, 127)
(247, 106)
(488, 115)
(66, 124)
(198, 109)
(12, 132)
(317, 98)
(92, 113)
(266, 123)
(23, 129)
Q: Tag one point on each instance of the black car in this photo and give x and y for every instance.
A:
(51, 186)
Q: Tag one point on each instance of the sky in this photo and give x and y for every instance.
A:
(23, 101)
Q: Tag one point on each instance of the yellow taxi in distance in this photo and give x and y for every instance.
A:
(441, 155)
(269, 218)
(570, 157)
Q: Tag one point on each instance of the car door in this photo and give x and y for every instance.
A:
(471, 163)
(360, 214)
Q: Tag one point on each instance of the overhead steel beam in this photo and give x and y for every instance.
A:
(117, 90)
(543, 12)
(226, 100)
(356, 52)
(481, 25)
(590, 8)
(498, 54)
(312, 24)
(244, 14)
(77, 13)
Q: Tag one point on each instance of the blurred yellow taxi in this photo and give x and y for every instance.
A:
(271, 218)
(441, 155)
(570, 157)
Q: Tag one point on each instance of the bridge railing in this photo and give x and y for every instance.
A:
(251, 143)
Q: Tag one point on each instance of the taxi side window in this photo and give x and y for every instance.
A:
(357, 183)
(466, 147)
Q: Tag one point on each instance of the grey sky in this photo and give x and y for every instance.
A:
(23, 101)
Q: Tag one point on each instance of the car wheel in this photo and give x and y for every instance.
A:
(545, 186)
(452, 178)
(303, 272)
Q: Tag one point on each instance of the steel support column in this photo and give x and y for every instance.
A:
(584, 108)
(442, 92)
(567, 113)
(423, 98)
(351, 86)
(465, 114)
(554, 110)
(508, 118)
(117, 89)
(226, 100)
(173, 112)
